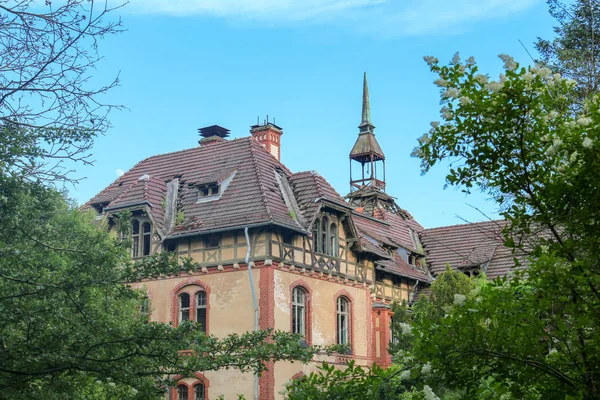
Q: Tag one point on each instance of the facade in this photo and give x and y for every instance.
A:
(320, 265)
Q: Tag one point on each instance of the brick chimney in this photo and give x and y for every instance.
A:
(212, 134)
(269, 136)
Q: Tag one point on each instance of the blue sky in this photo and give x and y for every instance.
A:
(191, 63)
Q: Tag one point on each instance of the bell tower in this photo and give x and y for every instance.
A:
(366, 153)
(367, 178)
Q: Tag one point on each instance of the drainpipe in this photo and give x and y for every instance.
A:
(251, 278)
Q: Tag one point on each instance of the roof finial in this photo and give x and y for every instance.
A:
(366, 125)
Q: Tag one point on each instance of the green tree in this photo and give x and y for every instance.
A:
(518, 140)
(574, 51)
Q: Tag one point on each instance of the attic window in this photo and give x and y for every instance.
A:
(211, 189)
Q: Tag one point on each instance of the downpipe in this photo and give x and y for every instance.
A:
(254, 301)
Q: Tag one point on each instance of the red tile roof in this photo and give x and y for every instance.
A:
(469, 245)
(253, 196)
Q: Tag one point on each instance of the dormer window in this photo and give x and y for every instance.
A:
(208, 190)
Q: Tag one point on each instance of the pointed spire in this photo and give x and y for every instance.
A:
(366, 125)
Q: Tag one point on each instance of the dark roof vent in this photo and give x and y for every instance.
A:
(214, 130)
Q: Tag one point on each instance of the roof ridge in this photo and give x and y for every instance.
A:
(314, 174)
(263, 192)
(495, 221)
(193, 148)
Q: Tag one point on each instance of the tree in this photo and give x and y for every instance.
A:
(50, 111)
(574, 51)
(518, 140)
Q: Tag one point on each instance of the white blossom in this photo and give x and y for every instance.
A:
(464, 100)
(552, 350)
(134, 391)
(455, 58)
(447, 115)
(111, 384)
(450, 93)
(434, 124)
(556, 77)
(573, 157)
(570, 82)
(509, 62)
(552, 114)
(494, 86)
(405, 375)
(584, 121)
(426, 370)
(459, 299)
(481, 78)
(544, 73)
(430, 60)
(528, 77)
(440, 82)
(406, 328)
(588, 143)
(429, 394)
(478, 299)
(475, 292)
(470, 61)
(502, 78)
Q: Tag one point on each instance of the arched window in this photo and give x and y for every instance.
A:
(135, 238)
(299, 311)
(141, 238)
(146, 240)
(324, 245)
(333, 239)
(201, 309)
(184, 307)
(182, 392)
(343, 315)
(199, 391)
(315, 236)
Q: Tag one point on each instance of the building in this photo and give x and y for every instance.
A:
(316, 263)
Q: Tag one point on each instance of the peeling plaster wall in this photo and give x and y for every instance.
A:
(230, 310)
(323, 320)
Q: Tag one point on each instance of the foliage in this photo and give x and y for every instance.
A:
(71, 323)
(519, 140)
(50, 111)
(575, 49)
(350, 382)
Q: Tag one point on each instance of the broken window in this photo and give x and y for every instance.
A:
(211, 241)
(208, 190)
(299, 311)
(184, 307)
(201, 309)
(343, 313)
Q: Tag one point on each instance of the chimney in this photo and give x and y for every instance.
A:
(212, 134)
(269, 136)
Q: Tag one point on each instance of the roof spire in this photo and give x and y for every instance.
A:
(366, 125)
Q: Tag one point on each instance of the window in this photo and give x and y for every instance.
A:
(288, 237)
(146, 228)
(343, 314)
(199, 392)
(333, 239)
(135, 237)
(208, 190)
(211, 241)
(184, 307)
(201, 309)
(141, 238)
(323, 239)
(171, 246)
(299, 311)
(182, 392)
(191, 304)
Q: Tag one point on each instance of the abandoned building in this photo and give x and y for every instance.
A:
(321, 265)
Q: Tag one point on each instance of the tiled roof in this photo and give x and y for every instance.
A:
(400, 267)
(469, 245)
(389, 229)
(309, 187)
(252, 197)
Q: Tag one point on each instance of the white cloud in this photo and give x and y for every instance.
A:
(389, 17)
(119, 172)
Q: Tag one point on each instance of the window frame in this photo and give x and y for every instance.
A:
(141, 242)
(344, 294)
(301, 285)
(199, 380)
(191, 287)
(342, 321)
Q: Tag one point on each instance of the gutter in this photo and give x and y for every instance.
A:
(254, 301)
(233, 228)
